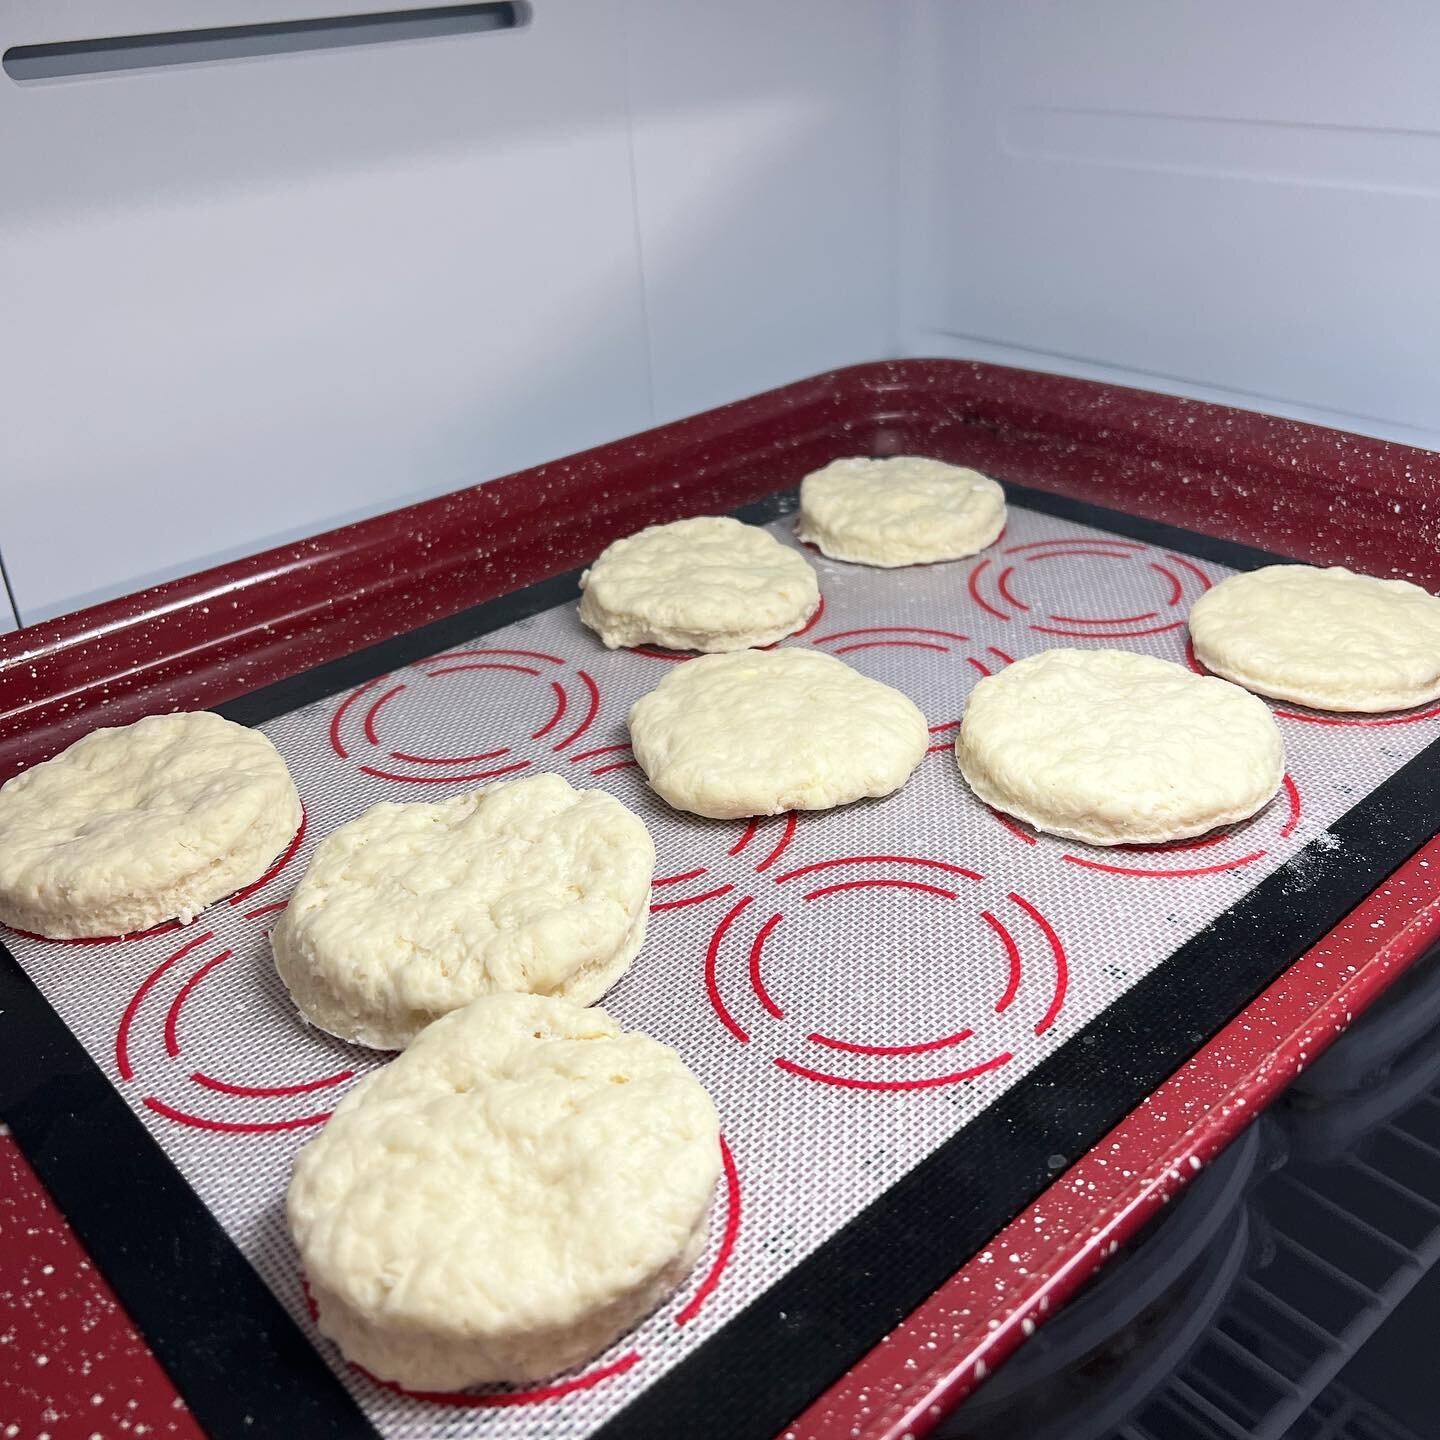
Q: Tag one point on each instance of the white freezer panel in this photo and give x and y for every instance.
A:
(1228, 200)
(765, 161)
(248, 300)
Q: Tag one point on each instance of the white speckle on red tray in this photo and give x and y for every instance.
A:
(91, 1367)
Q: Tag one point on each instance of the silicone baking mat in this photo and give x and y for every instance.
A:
(908, 1011)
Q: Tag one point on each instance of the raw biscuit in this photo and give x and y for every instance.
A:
(1111, 747)
(759, 733)
(1330, 639)
(511, 1194)
(709, 584)
(905, 510)
(412, 911)
(142, 823)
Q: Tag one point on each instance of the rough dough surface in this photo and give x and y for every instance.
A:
(1330, 639)
(507, 1197)
(759, 733)
(412, 911)
(905, 510)
(1112, 748)
(708, 584)
(142, 823)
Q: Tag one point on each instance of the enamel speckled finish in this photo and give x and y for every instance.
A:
(71, 1364)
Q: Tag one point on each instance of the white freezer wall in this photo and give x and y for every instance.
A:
(1234, 201)
(247, 300)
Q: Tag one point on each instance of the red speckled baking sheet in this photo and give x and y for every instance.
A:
(848, 1051)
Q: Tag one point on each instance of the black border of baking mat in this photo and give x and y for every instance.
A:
(247, 1369)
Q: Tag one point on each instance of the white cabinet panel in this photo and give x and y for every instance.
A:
(1231, 200)
(765, 147)
(246, 300)
(250, 299)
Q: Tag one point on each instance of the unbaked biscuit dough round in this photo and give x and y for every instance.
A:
(1330, 639)
(511, 1194)
(709, 584)
(1113, 748)
(142, 823)
(412, 911)
(759, 733)
(905, 510)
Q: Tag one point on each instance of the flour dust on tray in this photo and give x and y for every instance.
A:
(142, 823)
(1112, 748)
(759, 733)
(506, 1198)
(1330, 639)
(711, 584)
(904, 510)
(412, 911)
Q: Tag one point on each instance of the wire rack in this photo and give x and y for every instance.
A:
(1371, 1229)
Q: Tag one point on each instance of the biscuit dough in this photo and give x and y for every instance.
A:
(905, 510)
(142, 823)
(710, 584)
(511, 1194)
(412, 911)
(759, 733)
(1111, 747)
(1330, 639)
